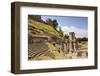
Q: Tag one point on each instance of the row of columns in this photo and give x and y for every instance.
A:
(71, 45)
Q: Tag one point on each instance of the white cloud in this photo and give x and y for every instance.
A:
(79, 32)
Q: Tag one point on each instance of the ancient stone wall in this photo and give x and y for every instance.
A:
(72, 43)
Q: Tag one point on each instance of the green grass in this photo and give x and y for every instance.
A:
(47, 28)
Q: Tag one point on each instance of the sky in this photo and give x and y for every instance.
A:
(79, 25)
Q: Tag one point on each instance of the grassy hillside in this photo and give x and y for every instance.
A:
(47, 28)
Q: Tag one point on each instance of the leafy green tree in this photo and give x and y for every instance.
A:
(66, 36)
(60, 30)
(55, 24)
(82, 39)
(49, 22)
(35, 17)
(52, 23)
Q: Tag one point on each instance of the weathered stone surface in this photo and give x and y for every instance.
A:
(72, 43)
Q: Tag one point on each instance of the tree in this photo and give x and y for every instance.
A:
(60, 30)
(66, 36)
(52, 23)
(82, 39)
(35, 17)
(49, 22)
(55, 24)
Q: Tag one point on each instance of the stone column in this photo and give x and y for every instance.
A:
(72, 41)
(65, 47)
